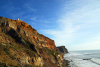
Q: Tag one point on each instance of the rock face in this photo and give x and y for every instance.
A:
(62, 49)
(22, 45)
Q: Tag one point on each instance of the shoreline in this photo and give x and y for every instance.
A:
(65, 63)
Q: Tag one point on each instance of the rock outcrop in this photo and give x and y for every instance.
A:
(22, 45)
(62, 49)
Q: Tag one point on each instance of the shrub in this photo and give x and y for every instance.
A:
(1, 66)
(27, 43)
(6, 50)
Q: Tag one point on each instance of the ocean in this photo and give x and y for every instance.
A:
(85, 58)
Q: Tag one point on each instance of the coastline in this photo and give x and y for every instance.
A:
(65, 63)
(63, 50)
(86, 58)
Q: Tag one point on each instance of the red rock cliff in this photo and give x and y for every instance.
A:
(27, 31)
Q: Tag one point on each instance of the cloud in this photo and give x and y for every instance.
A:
(78, 23)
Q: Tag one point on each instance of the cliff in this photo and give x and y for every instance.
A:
(22, 46)
(62, 49)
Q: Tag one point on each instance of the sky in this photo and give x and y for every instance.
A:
(74, 24)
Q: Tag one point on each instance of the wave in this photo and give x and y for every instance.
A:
(83, 59)
(85, 63)
(87, 53)
(95, 60)
(73, 54)
(91, 53)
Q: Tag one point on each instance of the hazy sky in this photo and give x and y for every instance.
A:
(72, 23)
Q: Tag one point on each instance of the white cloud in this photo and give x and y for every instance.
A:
(77, 26)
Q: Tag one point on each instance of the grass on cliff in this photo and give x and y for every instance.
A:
(6, 49)
(27, 43)
(1, 66)
(65, 63)
(52, 52)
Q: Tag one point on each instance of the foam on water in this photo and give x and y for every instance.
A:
(83, 59)
(84, 63)
(96, 60)
(87, 53)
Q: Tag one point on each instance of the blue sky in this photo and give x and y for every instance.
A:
(72, 23)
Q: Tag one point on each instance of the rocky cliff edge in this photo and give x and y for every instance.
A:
(22, 46)
(62, 49)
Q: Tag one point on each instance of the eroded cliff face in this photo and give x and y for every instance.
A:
(22, 45)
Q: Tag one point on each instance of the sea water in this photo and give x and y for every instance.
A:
(86, 58)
